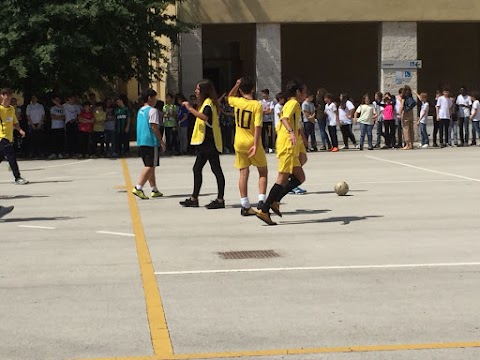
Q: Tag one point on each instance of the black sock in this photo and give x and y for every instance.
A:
(272, 196)
(292, 184)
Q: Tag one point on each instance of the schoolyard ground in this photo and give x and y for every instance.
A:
(391, 271)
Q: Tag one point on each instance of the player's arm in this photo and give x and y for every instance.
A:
(156, 131)
(195, 112)
(234, 90)
(291, 132)
(258, 130)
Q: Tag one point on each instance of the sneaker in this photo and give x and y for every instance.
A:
(323, 148)
(424, 146)
(260, 205)
(21, 181)
(4, 210)
(215, 204)
(299, 191)
(357, 146)
(435, 145)
(265, 217)
(370, 148)
(270, 150)
(276, 208)
(60, 156)
(335, 149)
(248, 212)
(139, 193)
(189, 203)
(156, 194)
(52, 157)
(344, 147)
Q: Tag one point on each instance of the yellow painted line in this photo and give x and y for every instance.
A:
(327, 350)
(162, 345)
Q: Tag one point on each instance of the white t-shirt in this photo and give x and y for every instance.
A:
(58, 111)
(444, 105)
(36, 112)
(277, 110)
(266, 105)
(464, 112)
(309, 107)
(343, 113)
(330, 111)
(398, 105)
(379, 109)
(71, 112)
(476, 106)
(424, 112)
(153, 117)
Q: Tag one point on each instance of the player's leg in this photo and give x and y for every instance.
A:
(214, 160)
(246, 209)
(262, 184)
(275, 192)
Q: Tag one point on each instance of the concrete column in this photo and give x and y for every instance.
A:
(269, 58)
(398, 41)
(191, 60)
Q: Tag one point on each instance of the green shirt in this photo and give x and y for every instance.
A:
(170, 116)
(122, 115)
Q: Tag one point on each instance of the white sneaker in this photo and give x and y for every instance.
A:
(343, 147)
(270, 150)
(21, 181)
(424, 146)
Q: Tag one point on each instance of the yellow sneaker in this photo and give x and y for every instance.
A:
(265, 217)
(139, 193)
(276, 208)
(156, 194)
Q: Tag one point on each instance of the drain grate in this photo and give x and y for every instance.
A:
(250, 254)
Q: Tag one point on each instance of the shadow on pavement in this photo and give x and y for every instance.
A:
(343, 220)
(22, 197)
(305, 212)
(39, 219)
(51, 182)
(331, 192)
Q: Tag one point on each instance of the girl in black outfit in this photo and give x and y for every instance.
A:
(208, 140)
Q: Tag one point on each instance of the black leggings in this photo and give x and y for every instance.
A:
(389, 132)
(332, 130)
(213, 157)
(8, 152)
(347, 134)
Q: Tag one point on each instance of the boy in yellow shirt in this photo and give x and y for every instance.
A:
(290, 151)
(9, 121)
(248, 147)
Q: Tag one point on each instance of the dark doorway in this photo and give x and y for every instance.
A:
(337, 57)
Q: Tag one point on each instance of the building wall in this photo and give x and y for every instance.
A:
(308, 11)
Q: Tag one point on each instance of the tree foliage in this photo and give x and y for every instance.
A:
(70, 46)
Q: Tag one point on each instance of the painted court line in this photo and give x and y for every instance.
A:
(37, 227)
(159, 334)
(115, 233)
(320, 268)
(308, 351)
(422, 168)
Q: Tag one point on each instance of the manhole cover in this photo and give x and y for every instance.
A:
(250, 254)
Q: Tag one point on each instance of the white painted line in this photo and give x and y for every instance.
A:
(37, 227)
(321, 268)
(115, 233)
(422, 168)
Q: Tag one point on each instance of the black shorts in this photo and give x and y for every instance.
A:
(150, 156)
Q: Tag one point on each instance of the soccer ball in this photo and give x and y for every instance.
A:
(341, 188)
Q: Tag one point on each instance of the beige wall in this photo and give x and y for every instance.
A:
(287, 11)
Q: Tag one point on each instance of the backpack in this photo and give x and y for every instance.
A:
(410, 104)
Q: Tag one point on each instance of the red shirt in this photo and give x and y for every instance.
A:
(86, 127)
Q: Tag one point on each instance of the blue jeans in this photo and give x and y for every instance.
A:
(322, 125)
(454, 127)
(424, 133)
(366, 129)
(463, 123)
(476, 128)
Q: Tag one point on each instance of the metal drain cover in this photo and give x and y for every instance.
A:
(249, 254)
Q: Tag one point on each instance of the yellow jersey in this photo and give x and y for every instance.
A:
(292, 111)
(8, 118)
(248, 116)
